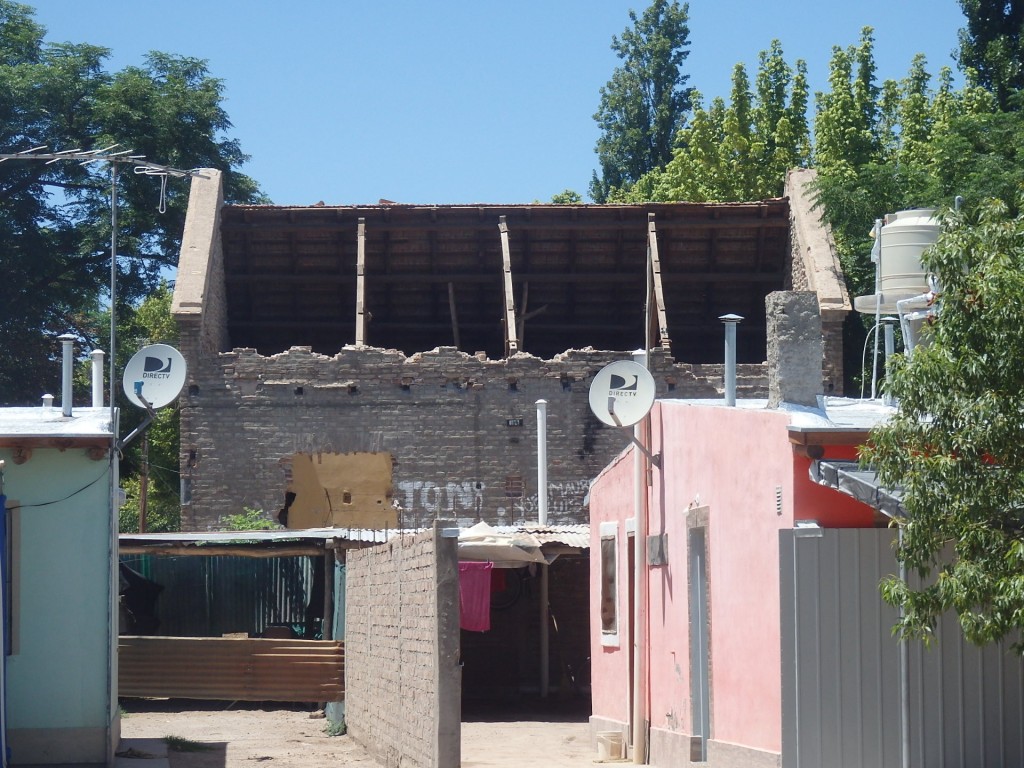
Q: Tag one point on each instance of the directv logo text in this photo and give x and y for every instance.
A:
(155, 368)
(622, 386)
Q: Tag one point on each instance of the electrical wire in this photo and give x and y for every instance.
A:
(864, 358)
(58, 501)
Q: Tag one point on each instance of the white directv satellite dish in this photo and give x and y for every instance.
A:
(622, 393)
(157, 372)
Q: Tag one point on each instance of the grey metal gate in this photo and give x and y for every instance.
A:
(843, 683)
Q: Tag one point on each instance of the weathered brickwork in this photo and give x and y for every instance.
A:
(461, 428)
(832, 344)
(402, 676)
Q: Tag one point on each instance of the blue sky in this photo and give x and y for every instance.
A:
(462, 101)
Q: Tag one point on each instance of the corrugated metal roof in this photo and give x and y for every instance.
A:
(566, 535)
(283, 535)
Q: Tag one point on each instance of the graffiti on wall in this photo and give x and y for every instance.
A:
(426, 497)
(465, 501)
(565, 502)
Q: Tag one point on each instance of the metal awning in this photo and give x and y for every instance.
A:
(861, 483)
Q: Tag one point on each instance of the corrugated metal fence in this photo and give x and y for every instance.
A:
(212, 596)
(231, 669)
(841, 669)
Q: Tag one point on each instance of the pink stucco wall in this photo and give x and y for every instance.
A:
(730, 461)
(609, 664)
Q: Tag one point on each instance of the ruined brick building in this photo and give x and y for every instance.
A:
(429, 332)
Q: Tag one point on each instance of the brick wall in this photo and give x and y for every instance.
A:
(461, 429)
(402, 674)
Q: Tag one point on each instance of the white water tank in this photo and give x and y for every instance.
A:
(904, 237)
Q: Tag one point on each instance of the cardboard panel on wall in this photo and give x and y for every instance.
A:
(347, 490)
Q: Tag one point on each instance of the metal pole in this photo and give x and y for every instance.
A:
(904, 678)
(97, 378)
(113, 293)
(639, 580)
(144, 483)
(730, 321)
(542, 462)
(67, 342)
(876, 256)
(542, 519)
(890, 350)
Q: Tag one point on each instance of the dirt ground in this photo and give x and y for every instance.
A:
(287, 737)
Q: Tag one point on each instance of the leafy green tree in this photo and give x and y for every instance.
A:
(248, 519)
(567, 197)
(55, 218)
(644, 104)
(956, 445)
(991, 45)
(740, 150)
(845, 135)
(150, 323)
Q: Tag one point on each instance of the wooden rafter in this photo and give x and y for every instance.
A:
(511, 341)
(360, 284)
(659, 292)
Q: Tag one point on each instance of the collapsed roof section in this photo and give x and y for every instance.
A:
(502, 279)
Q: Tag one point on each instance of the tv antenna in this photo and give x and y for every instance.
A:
(115, 157)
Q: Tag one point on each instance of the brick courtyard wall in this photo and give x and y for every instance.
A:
(461, 429)
(402, 674)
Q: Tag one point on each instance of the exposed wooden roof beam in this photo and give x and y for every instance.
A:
(361, 283)
(229, 228)
(511, 340)
(519, 278)
(659, 292)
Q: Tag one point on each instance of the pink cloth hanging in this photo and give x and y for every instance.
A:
(475, 596)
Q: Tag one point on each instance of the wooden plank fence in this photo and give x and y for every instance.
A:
(231, 669)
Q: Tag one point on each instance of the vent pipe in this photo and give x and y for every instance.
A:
(47, 402)
(542, 462)
(730, 321)
(97, 378)
(68, 343)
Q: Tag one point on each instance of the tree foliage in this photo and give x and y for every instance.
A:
(740, 150)
(55, 218)
(956, 445)
(645, 103)
(904, 144)
(991, 45)
(150, 323)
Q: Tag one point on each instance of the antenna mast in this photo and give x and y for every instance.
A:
(115, 157)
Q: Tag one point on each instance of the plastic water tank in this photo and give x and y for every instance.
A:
(905, 235)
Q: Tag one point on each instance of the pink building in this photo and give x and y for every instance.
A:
(762, 637)
(730, 480)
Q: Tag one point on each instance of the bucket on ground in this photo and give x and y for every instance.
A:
(609, 745)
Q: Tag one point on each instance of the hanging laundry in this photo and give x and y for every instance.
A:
(475, 596)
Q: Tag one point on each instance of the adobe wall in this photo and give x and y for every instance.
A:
(461, 429)
(402, 673)
(814, 266)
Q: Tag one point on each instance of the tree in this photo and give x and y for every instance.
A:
(55, 218)
(150, 323)
(644, 104)
(740, 150)
(991, 45)
(956, 444)
(567, 197)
